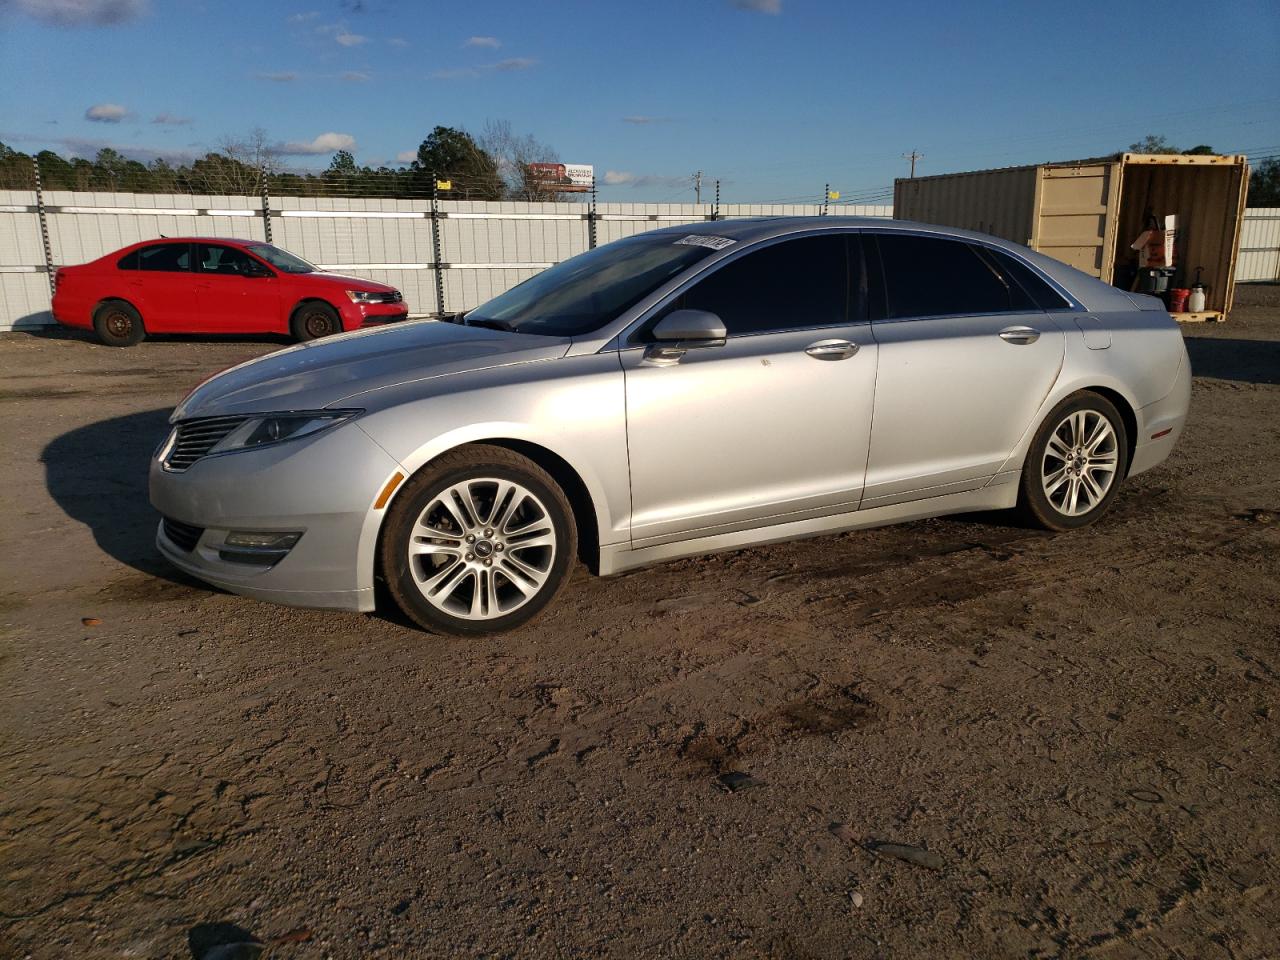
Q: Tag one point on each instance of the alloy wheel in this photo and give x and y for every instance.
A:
(482, 548)
(1080, 462)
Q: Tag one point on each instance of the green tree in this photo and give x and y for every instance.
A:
(1264, 184)
(452, 154)
(1152, 144)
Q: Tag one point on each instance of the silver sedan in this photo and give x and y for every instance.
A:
(678, 392)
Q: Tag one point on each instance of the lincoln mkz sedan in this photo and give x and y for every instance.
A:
(679, 392)
(193, 285)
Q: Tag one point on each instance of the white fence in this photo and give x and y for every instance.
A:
(1259, 245)
(485, 248)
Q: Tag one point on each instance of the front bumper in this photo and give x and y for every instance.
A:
(323, 486)
(357, 315)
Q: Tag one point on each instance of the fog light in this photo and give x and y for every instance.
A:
(264, 549)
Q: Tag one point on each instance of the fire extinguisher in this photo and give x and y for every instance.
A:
(1195, 303)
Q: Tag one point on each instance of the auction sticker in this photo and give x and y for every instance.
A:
(702, 240)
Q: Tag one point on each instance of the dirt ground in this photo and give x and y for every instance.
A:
(1083, 728)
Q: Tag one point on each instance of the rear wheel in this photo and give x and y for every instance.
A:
(1076, 462)
(314, 319)
(480, 541)
(118, 324)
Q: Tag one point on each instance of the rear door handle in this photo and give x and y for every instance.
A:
(1019, 335)
(831, 350)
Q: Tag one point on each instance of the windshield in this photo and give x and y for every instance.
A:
(584, 293)
(281, 259)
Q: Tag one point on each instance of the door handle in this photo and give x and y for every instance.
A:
(831, 350)
(1019, 335)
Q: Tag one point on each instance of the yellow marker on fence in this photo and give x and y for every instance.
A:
(444, 184)
(833, 194)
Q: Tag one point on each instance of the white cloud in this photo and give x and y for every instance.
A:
(106, 113)
(493, 43)
(349, 39)
(406, 156)
(624, 178)
(325, 143)
(502, 66)
(80, 13)
(284, 76)
(773, 7)
(170, 120)
(642, 119)
(303, 17)
(355, 76)
(398, 42)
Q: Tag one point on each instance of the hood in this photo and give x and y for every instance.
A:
(325, 372)
(347, 283)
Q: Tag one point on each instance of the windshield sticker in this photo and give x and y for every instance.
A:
(701, 240)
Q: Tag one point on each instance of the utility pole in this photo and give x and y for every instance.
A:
(913, 156)
(697, 187)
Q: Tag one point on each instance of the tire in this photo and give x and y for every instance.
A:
(1064, 485)
(118, 324)
(522, 542)
(314, 319)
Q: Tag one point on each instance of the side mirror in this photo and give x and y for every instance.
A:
(256, 270)
(690, 328)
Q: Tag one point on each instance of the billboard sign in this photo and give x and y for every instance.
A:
(563, 177)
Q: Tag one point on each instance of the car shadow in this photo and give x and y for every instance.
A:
(1245, 361)
(97, 474)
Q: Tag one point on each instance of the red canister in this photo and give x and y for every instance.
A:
(1178, 299)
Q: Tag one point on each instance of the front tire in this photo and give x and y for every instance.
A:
(480, 541)
(1076, 463)
(314, 319)
(118, 324)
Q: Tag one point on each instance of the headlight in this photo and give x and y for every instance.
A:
(273, 428)
(364, 296)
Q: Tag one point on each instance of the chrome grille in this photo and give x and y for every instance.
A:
(195, 438)
(182, 535)
(395, 296)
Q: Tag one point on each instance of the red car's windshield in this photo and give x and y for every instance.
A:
(281, 259)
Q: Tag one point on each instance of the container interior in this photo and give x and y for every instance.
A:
(1205, 198)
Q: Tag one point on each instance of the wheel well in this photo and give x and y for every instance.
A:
(1126, 411)
(93, 314)
(584, 510)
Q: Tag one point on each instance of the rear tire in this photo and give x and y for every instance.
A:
(314, 319)
(118, 324)
(1076, 463)
(479, 541)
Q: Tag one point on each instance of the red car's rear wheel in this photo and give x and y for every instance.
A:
(118, 324)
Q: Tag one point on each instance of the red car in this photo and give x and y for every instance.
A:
(209, 285)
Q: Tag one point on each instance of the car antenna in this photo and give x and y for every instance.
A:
(163, 237)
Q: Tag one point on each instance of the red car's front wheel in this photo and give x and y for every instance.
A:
(313, 320)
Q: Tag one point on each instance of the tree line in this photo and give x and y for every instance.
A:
(490, 166)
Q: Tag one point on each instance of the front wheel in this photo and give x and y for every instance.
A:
(480, 541)
(313, 320)
(1076, 462)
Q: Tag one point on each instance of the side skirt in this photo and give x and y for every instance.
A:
(1001, 494)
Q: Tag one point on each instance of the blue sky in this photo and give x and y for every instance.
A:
(774, 97)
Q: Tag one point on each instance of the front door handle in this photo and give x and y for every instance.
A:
(1019, 335)
(831, 350)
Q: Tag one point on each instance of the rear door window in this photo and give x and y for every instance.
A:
(935, 276)
(794, 284)
(1019, 275)
(166, 257)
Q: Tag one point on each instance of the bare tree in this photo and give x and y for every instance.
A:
(253, 158)
(513, 153)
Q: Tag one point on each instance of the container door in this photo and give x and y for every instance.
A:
(1076, 216)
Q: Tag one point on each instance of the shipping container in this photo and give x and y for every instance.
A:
(1087, 213)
